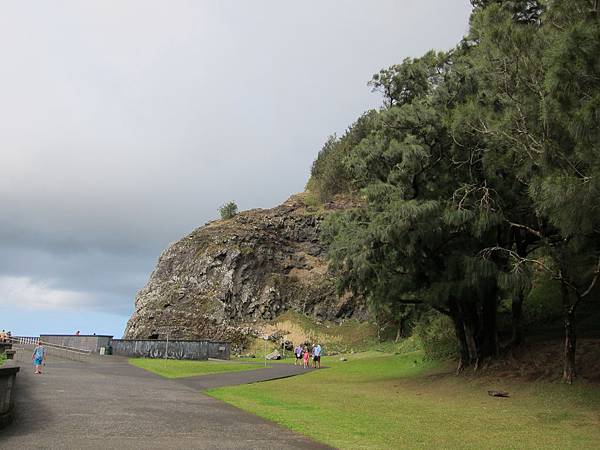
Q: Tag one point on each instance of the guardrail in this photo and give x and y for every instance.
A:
(27, 343)
(24, 339)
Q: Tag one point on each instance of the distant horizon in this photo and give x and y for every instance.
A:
(63, 326)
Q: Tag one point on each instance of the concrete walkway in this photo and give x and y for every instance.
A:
(109, 404)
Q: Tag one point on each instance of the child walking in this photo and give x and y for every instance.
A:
(39, 357)
(306, 357)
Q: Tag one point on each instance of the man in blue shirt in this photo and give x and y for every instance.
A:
(316, 353)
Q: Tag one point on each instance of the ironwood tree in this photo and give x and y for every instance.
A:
(480, 169)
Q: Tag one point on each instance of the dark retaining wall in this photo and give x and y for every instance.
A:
(8, 375)
(218, 350)
(147, 348)
(88, 342)
(4, 346)
(176, 349)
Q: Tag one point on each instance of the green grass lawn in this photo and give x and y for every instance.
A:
(180, 368)
(377, 401)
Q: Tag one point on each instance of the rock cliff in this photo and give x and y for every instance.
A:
(227, 276)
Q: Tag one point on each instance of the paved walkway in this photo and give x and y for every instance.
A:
(109, 404)
(273, 372)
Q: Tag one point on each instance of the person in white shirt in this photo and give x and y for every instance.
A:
(316, 354)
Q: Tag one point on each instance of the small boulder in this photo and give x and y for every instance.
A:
(498, 393)
(273, 355)
(343, 359)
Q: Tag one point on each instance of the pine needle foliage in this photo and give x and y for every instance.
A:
(228, 210)
(480, 170)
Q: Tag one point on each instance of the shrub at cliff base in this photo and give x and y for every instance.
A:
(436, 335)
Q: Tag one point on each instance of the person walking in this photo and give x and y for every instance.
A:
(316, 353)
(39, 357)
(298, 353)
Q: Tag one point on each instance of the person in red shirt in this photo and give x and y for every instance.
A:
(306, 357)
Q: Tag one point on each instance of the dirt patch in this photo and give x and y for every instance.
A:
(543, 361)
(296, 333)
(297, 328)
(313, 267)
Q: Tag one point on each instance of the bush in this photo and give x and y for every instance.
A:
(437, 337)
(543, 305)
(228, 210)
(328, 174)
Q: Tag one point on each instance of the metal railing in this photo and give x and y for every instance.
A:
(33, 340)
(25, 344)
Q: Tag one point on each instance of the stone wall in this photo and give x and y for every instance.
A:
(218, 350)
(8, 375)
(87, 342)
(172, 349)
(4, 346)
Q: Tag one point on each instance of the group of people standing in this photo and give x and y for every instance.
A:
(303, 356)
(5, 336)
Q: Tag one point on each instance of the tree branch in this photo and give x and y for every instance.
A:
(520, 259)
(594, 280)
(526, 228)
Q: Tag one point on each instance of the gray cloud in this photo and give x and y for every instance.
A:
(125, 124)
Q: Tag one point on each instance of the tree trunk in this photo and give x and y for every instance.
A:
(398, 333)
(459, 329)
(522, 242)
(472, 346)
(569, 370)
(489, 330)
(472, 331)
(517, 320)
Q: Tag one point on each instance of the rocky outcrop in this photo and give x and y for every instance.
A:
(230, 274)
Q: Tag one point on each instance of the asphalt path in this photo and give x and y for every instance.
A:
(108, 404)
(272, 372)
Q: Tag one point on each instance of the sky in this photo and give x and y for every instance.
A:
(125, 124)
